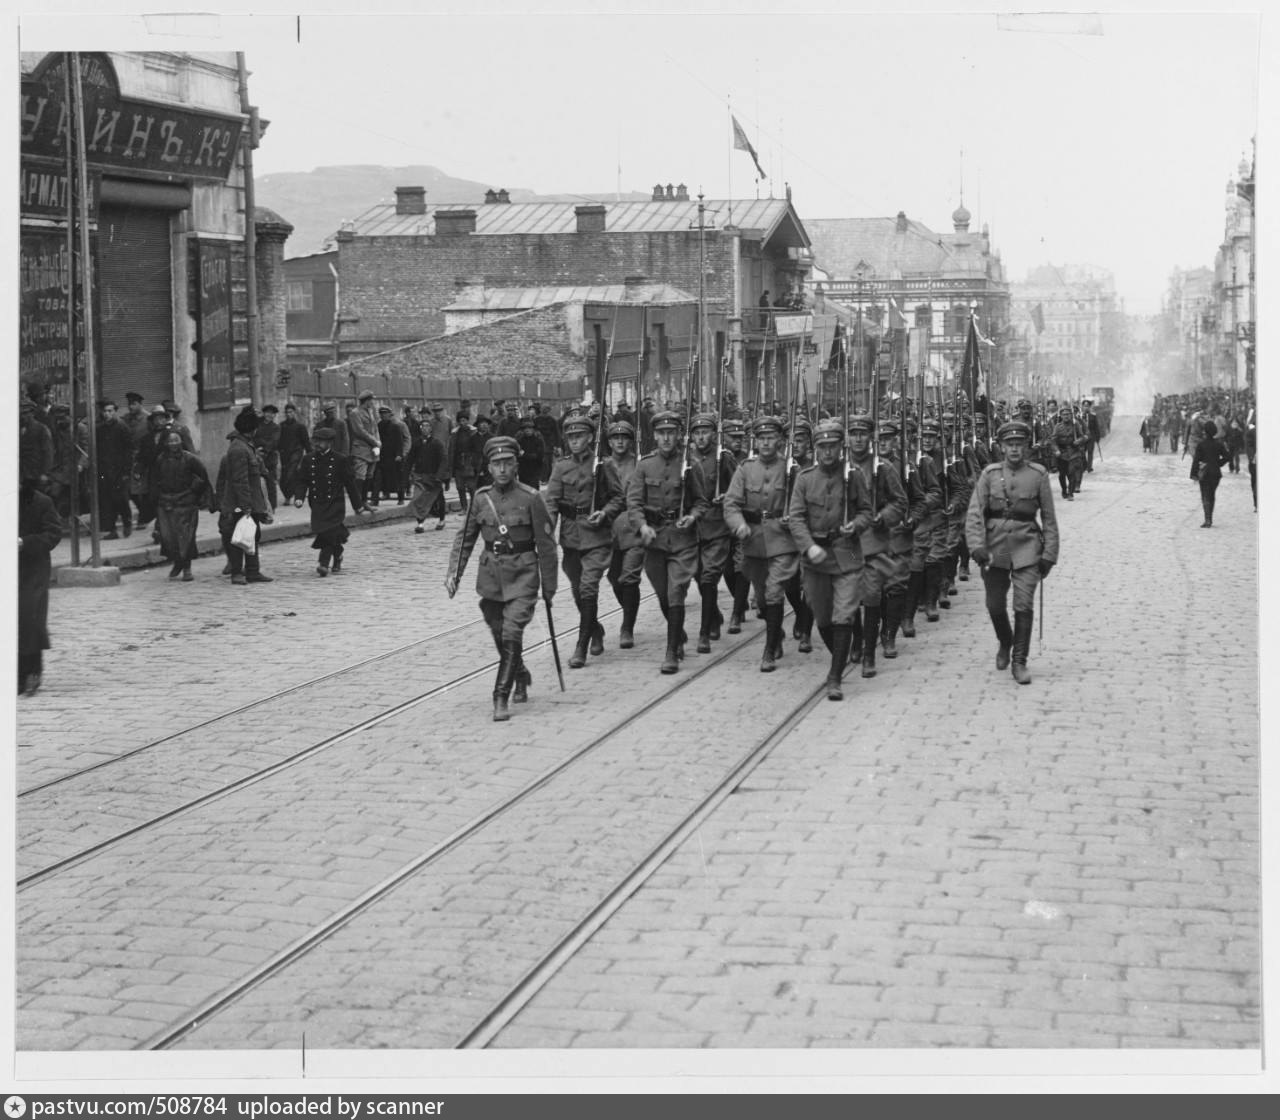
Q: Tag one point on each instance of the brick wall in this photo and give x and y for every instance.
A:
(393, 287)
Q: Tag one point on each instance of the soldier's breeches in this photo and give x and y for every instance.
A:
(713, 555)
(769, 575)
(883, 572)
(1024, 582)
(626, 566)
(585, 568)
(670, 573)
(834, 598)
(516, 615)
(938, 541)
(955, 532)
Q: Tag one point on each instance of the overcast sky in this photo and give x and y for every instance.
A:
(1102, 139)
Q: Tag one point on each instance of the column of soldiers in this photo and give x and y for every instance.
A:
(856, 538)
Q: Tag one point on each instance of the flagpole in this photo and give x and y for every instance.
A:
(729, 105)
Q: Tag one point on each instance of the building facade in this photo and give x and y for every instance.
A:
(863, 265)
(165, 143)
(1231, 363)
(401, 264)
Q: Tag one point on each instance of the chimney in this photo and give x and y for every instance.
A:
(490, 197)
(411, 200)
(590, 218)
(902, 221)
(682, 193)
(671, 191)
(455, 222)
(658, 196)
(503, 196)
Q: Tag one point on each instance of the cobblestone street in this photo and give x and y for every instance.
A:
(943, 860)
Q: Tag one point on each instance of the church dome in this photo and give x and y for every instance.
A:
(960, 218)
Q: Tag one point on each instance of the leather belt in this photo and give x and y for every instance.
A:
(661, 516)
(500, 546)
(756, 516)
(569, 511)
(1010, 515)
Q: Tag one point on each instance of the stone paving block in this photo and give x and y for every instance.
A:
(928, 1034)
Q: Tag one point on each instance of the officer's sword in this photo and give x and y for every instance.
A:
(555, 649)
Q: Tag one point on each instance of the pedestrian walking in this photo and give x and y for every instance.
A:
(466, 456)
(518, 563)
(241, 492)
(427, 474)
(1011, 547)
(180, 485)
(267, 441)
(326, 479)
(1211, 455)
(293, 445)
(39, 531)
(366, 447)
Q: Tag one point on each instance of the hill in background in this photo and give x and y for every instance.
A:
(317, 202)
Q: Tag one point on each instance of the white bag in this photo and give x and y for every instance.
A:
(242, 536)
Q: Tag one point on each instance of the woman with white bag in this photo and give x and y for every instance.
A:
(242, 502)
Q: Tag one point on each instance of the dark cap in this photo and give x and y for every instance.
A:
(171, 406)
(704, 420)
(861, 423)
(324, 432)
(666, 420)
(367, 395)
(621, 428)
(889, 429)
(270, 408)
(1014, 429)
(385, 408)
(828, 431)
(131, 396)
(500, 446)
(574, 424)
(156, 409)
(767, 426)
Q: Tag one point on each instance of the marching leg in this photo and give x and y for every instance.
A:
(870, 638)
(1022, 624)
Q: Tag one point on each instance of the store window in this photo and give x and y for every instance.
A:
(299, 295)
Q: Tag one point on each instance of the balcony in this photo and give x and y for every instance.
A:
(773, 324)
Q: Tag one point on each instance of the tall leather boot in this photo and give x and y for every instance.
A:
(870, 639)
(772, 637)
(855, 643)
(779, 634)
(824, 632)
(804, 623)
(841, 638)
(522, 677)
(708, 593)
(1022, 621)
(502, 685)
(675, 631)
(890, 621)
(1004, 635)
(932, 581)
(741, 592)
(586, 628)
(915, 592)
(946, 578)
(630, 597)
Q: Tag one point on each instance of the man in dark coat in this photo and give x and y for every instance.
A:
(241, 491)
(115, 467)
(390, 470)
(533, 453)
(293, 445)
(39, 532)
(466, 457)
(427, 472)
(327, 480)
(267, 440)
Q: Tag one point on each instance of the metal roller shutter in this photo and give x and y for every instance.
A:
(135, 296)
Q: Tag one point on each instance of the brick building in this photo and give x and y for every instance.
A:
(399, 265)
(165, 140)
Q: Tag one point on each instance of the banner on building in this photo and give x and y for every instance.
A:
(214, 355)
(45, 295)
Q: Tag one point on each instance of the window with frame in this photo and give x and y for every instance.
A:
(298, 295)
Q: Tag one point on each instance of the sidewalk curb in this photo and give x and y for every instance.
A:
(210, 543)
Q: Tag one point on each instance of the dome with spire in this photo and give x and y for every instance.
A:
(960, 218)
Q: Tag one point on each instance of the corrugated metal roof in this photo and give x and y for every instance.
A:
(839, 244)
(492, 219)
(517, 299)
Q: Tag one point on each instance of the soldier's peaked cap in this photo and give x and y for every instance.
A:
(931, 427)
(666, 420)
(578, 423)
(1014, 429)
(889, 429)
(828, 431)
(705, 420)
(861, 423)
(621, 428)
(733, 427)
(767, 425)
(500, 446)
(802, 424)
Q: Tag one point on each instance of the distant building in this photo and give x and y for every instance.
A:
(935, 279)
(1231, 362)
(165, 162)
(400, 265)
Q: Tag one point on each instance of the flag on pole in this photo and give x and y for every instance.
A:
(972, 381)
(741, 142)
(897, 321)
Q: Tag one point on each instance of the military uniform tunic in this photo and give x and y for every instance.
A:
(757, 497)
(654, 498)
(926, 513)
(519, 556)
(833, 585)
(627, 559)
(569, 496)
(714, 539)
(1002, 520)
(884, 568)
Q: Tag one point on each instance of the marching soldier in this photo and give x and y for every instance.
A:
(884, 576)
(755, 509)
(831, 564)
(1009, 545)
(959, 488)
(801, 457)
(734, 433)
(901, 541)
(1068, 457)
(666, 502)
(927, 520)
(714, 468)
(586, 502)
(626, 561)
(519, 558)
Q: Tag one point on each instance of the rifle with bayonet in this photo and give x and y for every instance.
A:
(598, 444)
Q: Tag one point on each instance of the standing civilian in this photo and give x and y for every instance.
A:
(389, 473)
(180, 484)
(240, 492)
(115, 468)
(427, 472)
(362, 424)
(293, 445)
(327, 479)
(38, 535)
(267, 440)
